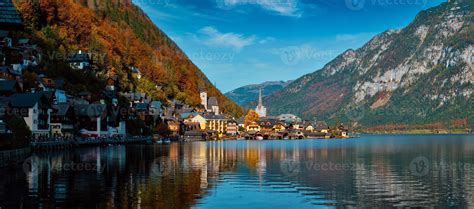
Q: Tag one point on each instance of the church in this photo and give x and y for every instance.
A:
(209, 103)
(261, 110)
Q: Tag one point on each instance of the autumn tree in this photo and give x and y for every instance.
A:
(252, 116)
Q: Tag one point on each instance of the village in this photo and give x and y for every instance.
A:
(55, 116)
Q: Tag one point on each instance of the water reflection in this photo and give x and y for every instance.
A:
(373, 171)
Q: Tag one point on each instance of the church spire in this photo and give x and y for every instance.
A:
(261, 110)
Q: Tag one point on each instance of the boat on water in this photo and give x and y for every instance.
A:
(259, 137)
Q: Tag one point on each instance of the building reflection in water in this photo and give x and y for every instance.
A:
(365, 173)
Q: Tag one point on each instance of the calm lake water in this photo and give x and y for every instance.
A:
(371, 171)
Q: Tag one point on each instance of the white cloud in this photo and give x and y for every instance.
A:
(213, 37)
(281, 7)
(266, 40)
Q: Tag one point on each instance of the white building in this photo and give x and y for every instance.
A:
(204, 99)
(261, 110)
(35, 110)
(80, 61)
(210, 103)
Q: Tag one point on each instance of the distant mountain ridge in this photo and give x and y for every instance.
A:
(246, 96)
(420, 74)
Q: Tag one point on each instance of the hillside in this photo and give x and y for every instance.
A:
(247, 96)
(119, 35)
(419, 75)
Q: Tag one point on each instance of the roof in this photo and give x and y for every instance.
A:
(7, 85)
(4, 69)
(142, 106)
(187, 114)
(4, 33)
(48, 82)
(61, 109)
(134, 96)
(27, 100)
(84, 93)
(214, 117)
(321, 125)
(135, 70)
(23, 41)
(114, 77)
(9, 17)
(155, 104)
(212, 101)
(82, 57)
(59, 83)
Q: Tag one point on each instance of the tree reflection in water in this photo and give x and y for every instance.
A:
(367, 172)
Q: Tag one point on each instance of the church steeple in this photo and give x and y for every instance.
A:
(261, 110)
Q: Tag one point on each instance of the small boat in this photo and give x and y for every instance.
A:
(259, 137)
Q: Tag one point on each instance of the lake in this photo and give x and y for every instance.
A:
(371, 171)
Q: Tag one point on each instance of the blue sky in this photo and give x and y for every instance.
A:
(241, 42)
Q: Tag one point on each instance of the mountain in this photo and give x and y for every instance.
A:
(247, 96)
(421, 74)
(119, 36)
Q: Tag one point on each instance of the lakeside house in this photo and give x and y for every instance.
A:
(253, 127)
(232, 128)
(63, 121)
(216, 123)
(35, 109)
